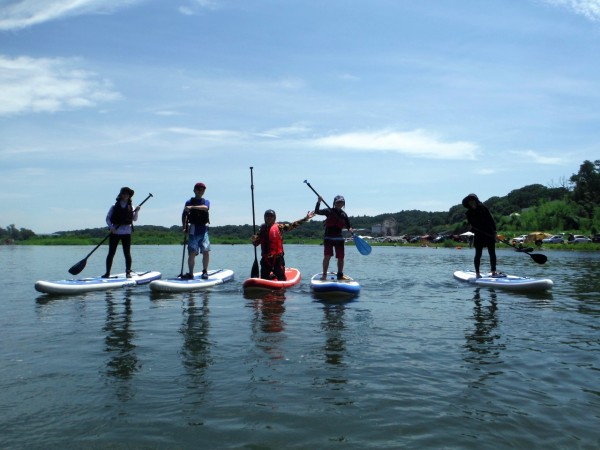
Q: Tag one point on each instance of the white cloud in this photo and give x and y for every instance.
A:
(486, 171)
(194, 5)
(587, 8)
(291, 130)
(17, 14)
(215, 135)
(48, 85)
(534, 157)
(417, 143)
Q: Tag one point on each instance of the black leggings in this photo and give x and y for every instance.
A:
(491, 248)
(273, 267)
(112, 249)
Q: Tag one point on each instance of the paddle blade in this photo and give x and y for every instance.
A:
(254, 271)
(538, 257)
(363, 247)
(77, 268)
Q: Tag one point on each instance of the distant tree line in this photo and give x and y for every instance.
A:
(574, 206)
(11, 234)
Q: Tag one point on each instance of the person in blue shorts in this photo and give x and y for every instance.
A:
(195, 221)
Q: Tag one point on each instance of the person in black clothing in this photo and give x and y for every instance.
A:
(120, 220)
(483, 225)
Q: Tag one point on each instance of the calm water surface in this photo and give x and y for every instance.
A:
(417, 361)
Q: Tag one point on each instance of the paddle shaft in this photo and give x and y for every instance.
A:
(185, 225)
(318, 195)
(254, 271)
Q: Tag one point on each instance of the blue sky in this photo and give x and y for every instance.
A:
(395, 104)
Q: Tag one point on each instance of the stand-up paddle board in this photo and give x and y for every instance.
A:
(507, 282)
(178, 284)
(333, 288)
(292, 277)
(82, 285)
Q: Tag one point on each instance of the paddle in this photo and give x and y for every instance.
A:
(537, 257)
(185, 225)
(363, 247)
(254, 272)
(78, 267)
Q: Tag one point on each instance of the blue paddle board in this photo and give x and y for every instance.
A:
(331, 287)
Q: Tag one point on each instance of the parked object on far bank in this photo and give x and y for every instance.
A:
(556, 239)
(519, 239)
(579, 238)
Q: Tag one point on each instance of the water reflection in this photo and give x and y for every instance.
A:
(334, 350)
(195, 327)
(483, 340)
(333, 325)
(268, 324)
(123, 362)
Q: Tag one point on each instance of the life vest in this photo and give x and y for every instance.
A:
(271, 243)
(334, 223)
(198, 216)
(120, 215)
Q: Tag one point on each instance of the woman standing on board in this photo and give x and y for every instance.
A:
(120, 220)
(483, 225)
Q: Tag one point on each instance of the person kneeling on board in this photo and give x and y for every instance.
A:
(269, 237)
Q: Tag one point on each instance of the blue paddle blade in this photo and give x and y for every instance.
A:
(363, 247)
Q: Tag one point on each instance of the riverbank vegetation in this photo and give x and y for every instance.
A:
(571, 207)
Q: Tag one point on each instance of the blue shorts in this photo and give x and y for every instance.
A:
(198, 243)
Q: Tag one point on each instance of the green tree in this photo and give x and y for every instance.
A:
(586, 191)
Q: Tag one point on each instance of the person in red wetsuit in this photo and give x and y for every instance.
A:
(336, 220)
(269, 237)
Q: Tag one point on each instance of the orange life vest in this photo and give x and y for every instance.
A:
(271, 241)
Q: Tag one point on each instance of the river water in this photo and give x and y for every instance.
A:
(417, 361)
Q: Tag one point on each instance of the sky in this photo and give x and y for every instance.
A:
(394, 104)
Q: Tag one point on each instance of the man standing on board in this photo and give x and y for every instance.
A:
(195, 221)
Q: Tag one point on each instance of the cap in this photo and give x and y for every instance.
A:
(199, 186)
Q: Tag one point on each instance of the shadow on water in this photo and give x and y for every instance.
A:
(122, 363)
